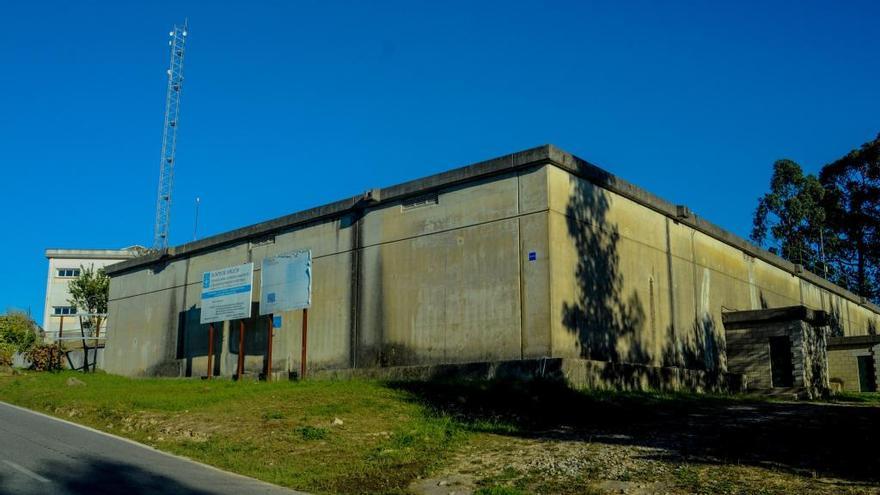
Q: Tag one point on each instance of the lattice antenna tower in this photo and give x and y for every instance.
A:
(177, 42)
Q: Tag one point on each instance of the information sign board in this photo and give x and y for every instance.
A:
(286, 282)
(226, 293)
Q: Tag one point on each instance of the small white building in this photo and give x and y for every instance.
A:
(64, 266)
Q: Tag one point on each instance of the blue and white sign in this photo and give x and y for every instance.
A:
(226, 293)
(286, 282)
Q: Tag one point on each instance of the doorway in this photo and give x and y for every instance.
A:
(781, 369)
(867, 377)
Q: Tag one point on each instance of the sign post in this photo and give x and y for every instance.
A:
(271, 325)
(286, 285)
(226, 295)
(305, 341)
(240, 350)
(210, 350)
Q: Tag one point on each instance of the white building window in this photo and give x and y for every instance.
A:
(68, 272)
(63, 310)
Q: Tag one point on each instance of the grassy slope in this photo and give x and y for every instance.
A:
(280, 432)
(284, 432)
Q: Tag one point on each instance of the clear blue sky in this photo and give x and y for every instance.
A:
(289, 105)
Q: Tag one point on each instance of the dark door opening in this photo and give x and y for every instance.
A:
(781, 369)
(867, 378)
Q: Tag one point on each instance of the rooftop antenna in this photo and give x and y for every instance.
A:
(177, 43)
(196, 223)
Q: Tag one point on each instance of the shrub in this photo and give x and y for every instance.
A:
(312, 432)
(6, 353)
(46, 357)
(18, 330)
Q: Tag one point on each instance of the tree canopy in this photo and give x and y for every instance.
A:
(830, 222)
(18, 331)
(89, 292)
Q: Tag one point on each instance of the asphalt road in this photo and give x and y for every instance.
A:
(43, 455)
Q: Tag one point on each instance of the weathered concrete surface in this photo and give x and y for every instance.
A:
(574, 372)
(531, 255)
(843, 365)
(417, 280)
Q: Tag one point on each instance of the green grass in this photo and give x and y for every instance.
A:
(372, 437)
(499, 490)
(863, 397)
(312, 433)
(279, 432)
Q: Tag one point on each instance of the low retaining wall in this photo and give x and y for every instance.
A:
(577, 373)
(19, 360)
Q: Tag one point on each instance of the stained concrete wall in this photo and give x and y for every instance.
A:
(435, 278)
(843, 365)
(631, 284)
(530, 255)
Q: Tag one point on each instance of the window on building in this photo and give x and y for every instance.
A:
(68, 272)
(419, 201)
(63, 310)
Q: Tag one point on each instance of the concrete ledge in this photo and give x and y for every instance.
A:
(856, 340)
(746, 319)
(577, 373)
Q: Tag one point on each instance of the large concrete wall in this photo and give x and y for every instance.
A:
(632, 284)
(435, 278)
(531, 255)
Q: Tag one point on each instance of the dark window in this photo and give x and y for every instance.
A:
(867, 378)
(419, 201)
(63, 310)
(68, 272)
(781, 370)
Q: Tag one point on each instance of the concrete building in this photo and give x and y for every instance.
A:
(779, 349)
(854, 363)
(537, 254)
(64, 266)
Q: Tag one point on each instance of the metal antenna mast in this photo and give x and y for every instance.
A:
(169, 136)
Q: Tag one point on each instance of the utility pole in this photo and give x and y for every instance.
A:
(169, 136)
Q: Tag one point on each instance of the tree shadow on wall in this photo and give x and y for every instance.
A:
(698, 350)
(835, 324)
(602, 317)
(609, 324)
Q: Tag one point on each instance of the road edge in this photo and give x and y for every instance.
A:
(148, 447)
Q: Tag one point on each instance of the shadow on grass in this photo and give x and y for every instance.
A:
(806, 438)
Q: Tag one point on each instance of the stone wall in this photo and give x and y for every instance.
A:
(810, 360)
(749, 335)
(748, 352)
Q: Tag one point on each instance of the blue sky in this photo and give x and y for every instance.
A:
(288, 105)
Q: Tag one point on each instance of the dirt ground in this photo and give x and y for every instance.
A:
(565, 442)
